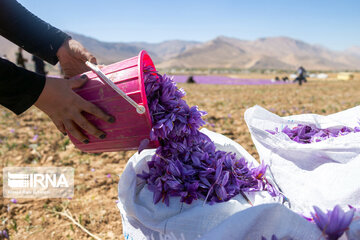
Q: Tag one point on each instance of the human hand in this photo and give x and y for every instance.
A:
(72, 57)
(65, 108)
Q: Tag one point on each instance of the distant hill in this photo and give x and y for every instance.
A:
(108, 52)
(264, 53)
(221, 52)
(354, 50)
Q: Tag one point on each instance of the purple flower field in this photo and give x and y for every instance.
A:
(203, 79)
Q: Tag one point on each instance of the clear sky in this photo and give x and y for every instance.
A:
(333, 24)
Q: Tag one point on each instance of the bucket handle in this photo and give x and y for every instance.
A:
(139, 109)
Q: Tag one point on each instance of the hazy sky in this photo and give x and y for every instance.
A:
(333, 24)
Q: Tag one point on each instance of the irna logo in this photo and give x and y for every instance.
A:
(43, 180)
(38, 182)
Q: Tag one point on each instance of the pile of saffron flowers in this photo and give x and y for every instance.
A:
(187, 164)
(306, 134)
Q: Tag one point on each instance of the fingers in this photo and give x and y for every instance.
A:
(72, 57)
(65, 108)
(78, 82)
(60, 126)
(83, 123)
(85, 55)
(74, 126)
(73, 129)
(87, 106)
(97, 112)
(92, 59)
(75, 69)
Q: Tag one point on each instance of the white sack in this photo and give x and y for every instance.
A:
(144, 220)
(324, 173)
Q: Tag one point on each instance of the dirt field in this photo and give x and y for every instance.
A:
(93, 205)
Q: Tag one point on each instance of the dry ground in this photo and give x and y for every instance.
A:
(95, 194)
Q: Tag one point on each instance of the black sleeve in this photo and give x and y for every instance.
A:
(28, 31)
(19, 88)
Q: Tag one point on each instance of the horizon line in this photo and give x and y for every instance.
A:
(197, 41)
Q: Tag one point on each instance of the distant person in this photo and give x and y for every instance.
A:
(285, 79)
(20, 60)
(39, 65)
(275, 79)
(190, 80)
(301, 75)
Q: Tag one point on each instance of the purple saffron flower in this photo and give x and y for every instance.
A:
(12, 130)
(305, 134)
(260, 171)
(13, 200)
(35, 137)
(108, 175)
(333, 223)
(4, 234)
(92, 169)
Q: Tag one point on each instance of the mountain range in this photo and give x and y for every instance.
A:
(221, 52)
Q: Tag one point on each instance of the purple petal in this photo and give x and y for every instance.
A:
(225, 179)
(157, 197)
(143, 144)
(346, 220)
(320, 218)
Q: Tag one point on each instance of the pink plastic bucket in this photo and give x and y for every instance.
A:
(130, 127)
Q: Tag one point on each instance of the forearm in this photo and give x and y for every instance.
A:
(26, 30)
(19, 88)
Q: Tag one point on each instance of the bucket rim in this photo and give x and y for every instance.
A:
(141, 57)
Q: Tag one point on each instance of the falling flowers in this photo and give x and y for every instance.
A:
(306, 134)
(187, 164)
